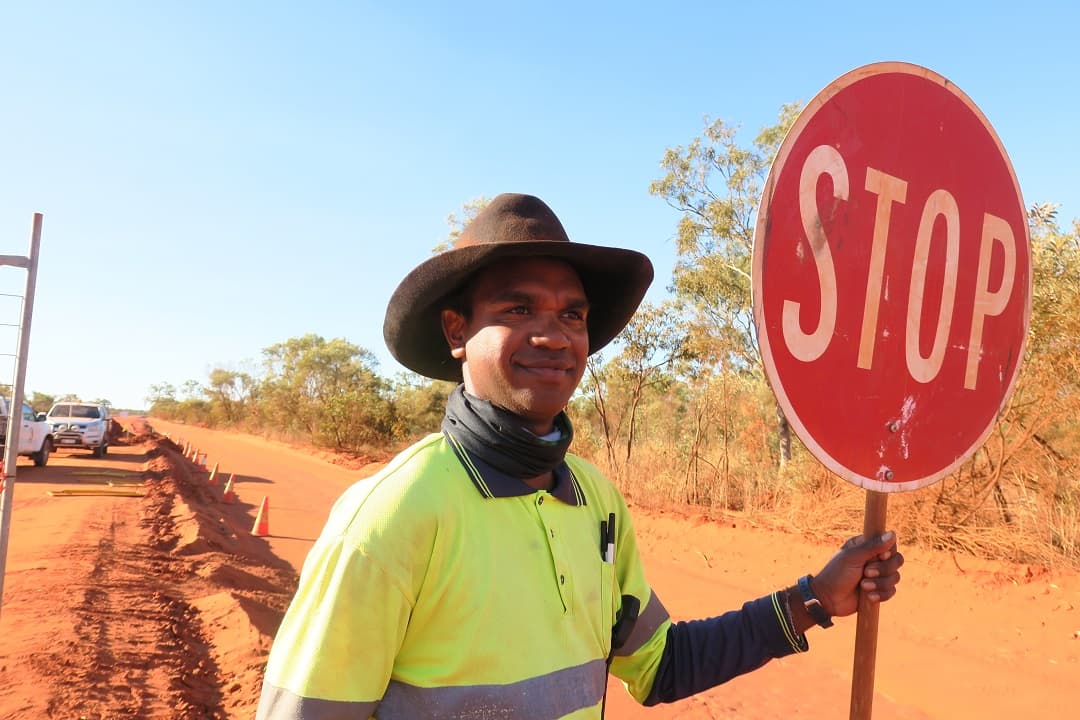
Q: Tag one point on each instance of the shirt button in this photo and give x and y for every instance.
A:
(540, 500)
(562, 579)
(552, 533)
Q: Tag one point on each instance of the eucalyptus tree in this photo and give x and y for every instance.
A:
(229, 392)
(41, 402)
(715, 183)
(327, 388)
(647, 348)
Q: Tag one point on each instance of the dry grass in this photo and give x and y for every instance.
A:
(810, 500)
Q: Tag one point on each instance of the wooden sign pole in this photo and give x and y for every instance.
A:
(866, 625)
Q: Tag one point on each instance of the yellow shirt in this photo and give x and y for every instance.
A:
(433, 592)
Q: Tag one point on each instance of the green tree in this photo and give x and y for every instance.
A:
(328, 389)
(650, 344)
(162, 401)
(41, 402)
(160, 392)
(419, 403)
(229, 392)
(192, 390)
(715, 183)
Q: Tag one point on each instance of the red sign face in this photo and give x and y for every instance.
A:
(892, 277)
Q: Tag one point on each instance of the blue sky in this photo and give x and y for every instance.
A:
(219, 177)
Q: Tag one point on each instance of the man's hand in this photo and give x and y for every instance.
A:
(870, 565)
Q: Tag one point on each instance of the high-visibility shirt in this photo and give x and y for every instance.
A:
(440, 588)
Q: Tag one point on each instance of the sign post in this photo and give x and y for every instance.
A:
(892, 288)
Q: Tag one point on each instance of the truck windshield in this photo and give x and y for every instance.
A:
(79, 411)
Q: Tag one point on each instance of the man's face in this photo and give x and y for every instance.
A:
(524, 342)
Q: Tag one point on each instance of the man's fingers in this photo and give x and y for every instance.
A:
(878, 582)
(881, 595)
(880, 590)
(887, 565)
(883, 545)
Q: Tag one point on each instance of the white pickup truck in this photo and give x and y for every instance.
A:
(35, 436)
(80, 425)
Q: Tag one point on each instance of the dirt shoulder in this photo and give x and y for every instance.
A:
(155, 606)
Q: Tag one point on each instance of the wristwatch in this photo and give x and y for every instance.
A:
(812, 604)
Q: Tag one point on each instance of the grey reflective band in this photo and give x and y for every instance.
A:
(647, 622)
(812, 604)
(280, 704)
(547, 697)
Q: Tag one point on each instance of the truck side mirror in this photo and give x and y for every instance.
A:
(41, 417)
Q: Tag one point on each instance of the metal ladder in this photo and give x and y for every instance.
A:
(11, 448)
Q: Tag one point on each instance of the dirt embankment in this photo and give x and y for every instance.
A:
(174, 605)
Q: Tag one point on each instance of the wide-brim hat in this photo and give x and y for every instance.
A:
(511, 226)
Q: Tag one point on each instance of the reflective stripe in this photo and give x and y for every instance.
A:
(578, 492)
(783, 617)
(547, 697)
(474, 474)
(494, 483)
(280, 704)
(654, 616)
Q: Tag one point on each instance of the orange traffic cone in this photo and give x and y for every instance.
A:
(262, 520)
(228, 496)
(213, 481)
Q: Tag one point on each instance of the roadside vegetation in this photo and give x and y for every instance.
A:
(678, 410)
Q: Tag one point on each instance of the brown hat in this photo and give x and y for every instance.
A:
(511, 226)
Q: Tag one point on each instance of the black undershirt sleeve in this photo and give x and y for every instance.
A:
(701, 654)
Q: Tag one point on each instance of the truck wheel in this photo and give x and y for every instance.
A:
(41, 457)
(98, 451)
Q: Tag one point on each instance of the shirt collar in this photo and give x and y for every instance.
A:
(495, 484)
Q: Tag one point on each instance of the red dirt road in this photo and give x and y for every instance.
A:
(164, 606)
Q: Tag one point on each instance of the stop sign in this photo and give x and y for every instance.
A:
(892, 277)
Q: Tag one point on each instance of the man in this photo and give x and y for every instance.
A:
(485, 572)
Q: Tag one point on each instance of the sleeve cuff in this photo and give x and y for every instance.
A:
(790, 641)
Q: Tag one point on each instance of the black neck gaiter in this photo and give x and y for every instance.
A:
(498, 438)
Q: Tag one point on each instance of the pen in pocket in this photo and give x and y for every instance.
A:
(609, 546)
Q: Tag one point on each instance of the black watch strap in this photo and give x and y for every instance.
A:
(812, 604)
